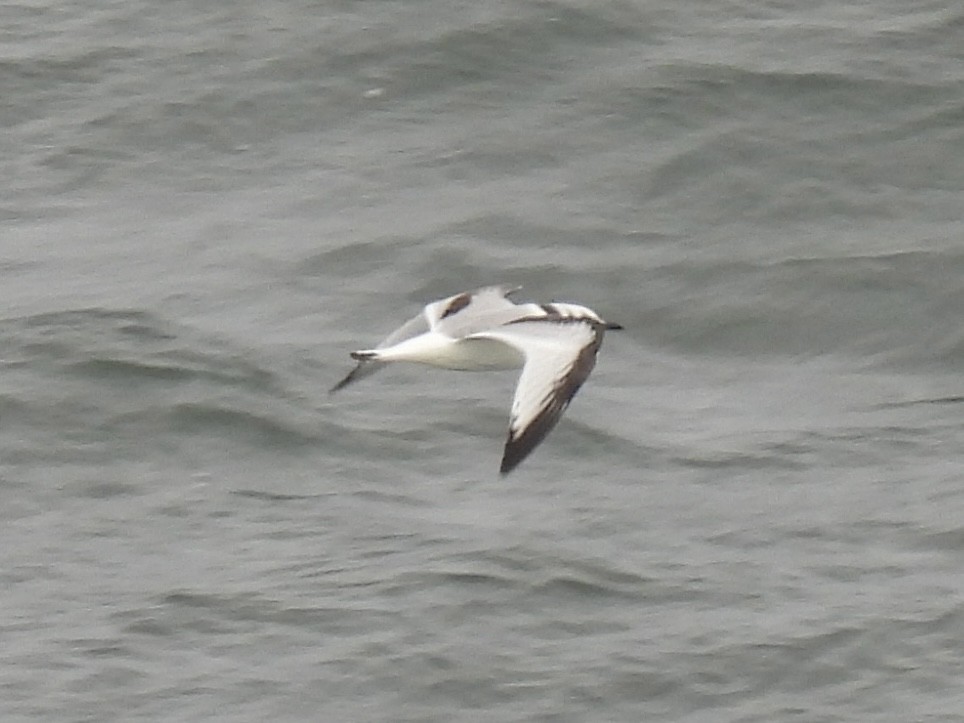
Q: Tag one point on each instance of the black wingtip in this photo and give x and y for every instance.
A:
(512, 456)
(343, 383)
(518, 448)
(349, 378)
(613, 325)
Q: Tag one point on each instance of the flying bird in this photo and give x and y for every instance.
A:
(554, 344)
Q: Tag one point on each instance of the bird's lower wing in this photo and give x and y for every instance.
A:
(560, 354)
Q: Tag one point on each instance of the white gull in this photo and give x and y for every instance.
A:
(555, 344)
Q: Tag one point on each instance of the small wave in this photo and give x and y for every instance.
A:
(207, 418)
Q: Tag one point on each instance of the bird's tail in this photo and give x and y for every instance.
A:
(365, 355)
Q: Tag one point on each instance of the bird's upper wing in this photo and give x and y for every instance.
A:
(560, 354)
(456, 316)
(472, 311)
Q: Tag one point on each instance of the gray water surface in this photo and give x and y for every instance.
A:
(751, 512)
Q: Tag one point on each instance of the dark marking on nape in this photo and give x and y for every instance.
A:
(555, 318)
(456, 305)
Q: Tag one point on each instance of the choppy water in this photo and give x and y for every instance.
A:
(754, 511)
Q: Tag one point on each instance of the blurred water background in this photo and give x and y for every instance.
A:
(754, 510)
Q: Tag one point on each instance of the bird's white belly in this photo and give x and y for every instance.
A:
(478, 355)
(468, 354)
